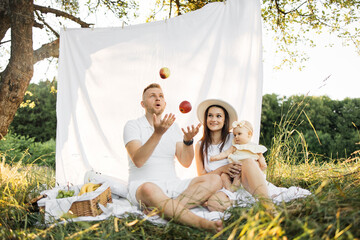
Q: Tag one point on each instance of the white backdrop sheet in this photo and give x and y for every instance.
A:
(214, 52)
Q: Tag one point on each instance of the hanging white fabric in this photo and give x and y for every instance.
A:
(214, 52)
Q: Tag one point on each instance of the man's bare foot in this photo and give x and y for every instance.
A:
(219, 225)
(270, 207)
(212, 225)
(150, 211)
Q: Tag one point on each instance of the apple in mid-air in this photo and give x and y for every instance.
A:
(185, 107)
(164, 72)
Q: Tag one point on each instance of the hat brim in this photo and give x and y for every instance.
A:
(210, 102)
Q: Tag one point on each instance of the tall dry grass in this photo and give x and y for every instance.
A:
(331, 212)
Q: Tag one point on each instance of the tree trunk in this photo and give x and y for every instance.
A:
(4, 18)
(15, 79)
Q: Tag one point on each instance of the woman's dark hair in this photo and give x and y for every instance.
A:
(206, 138)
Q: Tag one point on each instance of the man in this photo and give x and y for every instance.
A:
(152, 143)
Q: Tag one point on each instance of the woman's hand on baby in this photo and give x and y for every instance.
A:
(191, 132)
(262, 162)
(232, 169)
(263, 166)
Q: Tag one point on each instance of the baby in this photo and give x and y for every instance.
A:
(241, 149)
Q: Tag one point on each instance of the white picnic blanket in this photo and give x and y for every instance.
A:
(121, 207)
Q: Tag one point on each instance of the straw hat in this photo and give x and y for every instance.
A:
(210, 102)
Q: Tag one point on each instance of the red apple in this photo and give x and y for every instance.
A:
(185, 107)
(164, 72)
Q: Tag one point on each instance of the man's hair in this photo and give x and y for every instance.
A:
(152, 85)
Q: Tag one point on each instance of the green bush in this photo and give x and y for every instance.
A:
(15, 148)
(36, 116)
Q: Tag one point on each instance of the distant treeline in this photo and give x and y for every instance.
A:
(330, 127)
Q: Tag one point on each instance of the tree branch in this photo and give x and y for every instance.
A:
(38, 25)
(178, 7)
(293, 10)
(5, 42)
(170, 8)
(47, 50)
(51, 29)
(59, 13)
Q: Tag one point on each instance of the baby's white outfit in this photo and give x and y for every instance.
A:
(246, 151)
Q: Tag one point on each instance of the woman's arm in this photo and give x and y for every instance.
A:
(232, 168)
(199, 163)
(223, 155)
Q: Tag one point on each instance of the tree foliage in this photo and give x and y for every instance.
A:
(293, 22)
(37, 119)
(330, 127)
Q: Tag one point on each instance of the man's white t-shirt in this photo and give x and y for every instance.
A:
(161, 164)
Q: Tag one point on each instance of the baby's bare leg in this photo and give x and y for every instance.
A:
(225, 178)
(236, 183)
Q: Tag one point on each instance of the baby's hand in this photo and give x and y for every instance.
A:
(215, 158)
(262, 166)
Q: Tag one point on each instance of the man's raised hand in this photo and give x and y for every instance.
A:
(191, 132)
(162, 125)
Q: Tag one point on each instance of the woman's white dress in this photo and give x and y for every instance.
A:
(243, 198)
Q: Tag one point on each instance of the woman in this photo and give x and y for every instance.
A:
(216, 117)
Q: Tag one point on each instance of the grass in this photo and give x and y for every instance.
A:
(332, 212)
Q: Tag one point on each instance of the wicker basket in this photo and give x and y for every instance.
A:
(86, 207)
(91, 207)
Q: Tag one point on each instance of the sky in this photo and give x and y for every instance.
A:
(332, 71)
